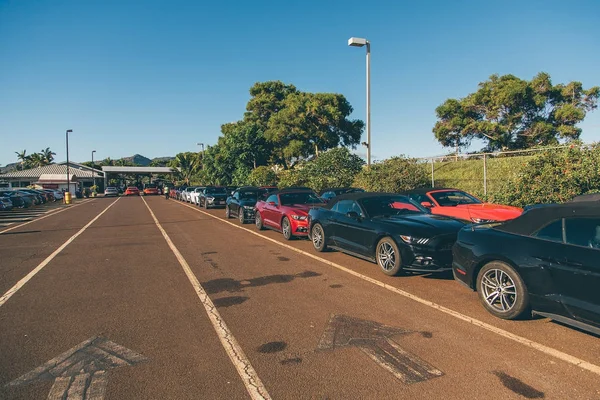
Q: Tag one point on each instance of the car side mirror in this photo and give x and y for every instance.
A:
(427, 204)
(353, 215)
(272, 203)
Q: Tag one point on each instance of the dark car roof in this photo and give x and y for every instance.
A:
(427, 190)
(293, 190)
(339, 189)
(586, 197)
(358, 196)
(248, 188)
(536, 218)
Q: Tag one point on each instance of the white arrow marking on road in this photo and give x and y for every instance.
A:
(80, 373)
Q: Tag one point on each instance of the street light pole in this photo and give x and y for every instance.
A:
(68, 177)
(202, 159)
(360, 42)
(93, 165)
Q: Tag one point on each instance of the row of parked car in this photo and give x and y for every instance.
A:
(543, 260)
(25, 198)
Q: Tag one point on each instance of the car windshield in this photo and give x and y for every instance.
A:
(219, 190)
(150, 186)
(299, 198)
(453, 198)
(249, 195)
(384, 206)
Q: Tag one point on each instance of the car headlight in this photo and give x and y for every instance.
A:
(414, 240)
(211, 199)
(248, 208)
(299, 217)
(481, 220)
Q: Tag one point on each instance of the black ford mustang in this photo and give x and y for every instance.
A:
(547, 261)
(390, 229)
(241, 203)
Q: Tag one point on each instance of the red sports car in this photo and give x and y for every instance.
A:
(462, 205)
(132, 191)
(287, 211)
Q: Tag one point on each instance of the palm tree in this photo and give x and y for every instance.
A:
(188, 164)
(107, 162)
(48, 155)
(22, 156)
(37, 160)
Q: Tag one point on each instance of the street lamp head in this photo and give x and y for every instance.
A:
(357, 42)
(69, 130)
(93, 151)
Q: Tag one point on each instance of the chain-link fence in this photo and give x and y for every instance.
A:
(481, 174)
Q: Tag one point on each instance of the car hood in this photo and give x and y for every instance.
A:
(217, 195)
(423, 223)
(488, 211)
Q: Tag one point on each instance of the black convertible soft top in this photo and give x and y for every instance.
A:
(536, 218)
(359, 196)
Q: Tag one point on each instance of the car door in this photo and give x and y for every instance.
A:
(348, 231)
(578, 274)
(270, 211)
(234, 205)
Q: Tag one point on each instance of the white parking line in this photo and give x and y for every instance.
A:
(46, 216)
(37, 269)
(252, 382)
(501, 332)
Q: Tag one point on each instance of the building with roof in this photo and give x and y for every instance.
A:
(82, 174)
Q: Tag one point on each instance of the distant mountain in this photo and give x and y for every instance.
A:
(138, 160)
(8, 168)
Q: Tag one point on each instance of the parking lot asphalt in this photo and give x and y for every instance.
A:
(329, 326)
(20, 215)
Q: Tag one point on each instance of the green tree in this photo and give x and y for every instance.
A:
(36, 160)
(23, 158)
(335, 168)
(310, 123)
(393, 175)
(48, 155)
(262, 176)
(187, 164)
(507, 112)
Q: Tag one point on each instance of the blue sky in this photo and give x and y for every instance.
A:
(156, 77)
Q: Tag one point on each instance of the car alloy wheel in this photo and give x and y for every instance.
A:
(498, 290)
(318, 237)
(258, 222)
(388, 256)
(241, 215)
(227, 212)
(502, 291)
(286, 228)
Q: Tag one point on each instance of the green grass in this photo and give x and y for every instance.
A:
(468, 174)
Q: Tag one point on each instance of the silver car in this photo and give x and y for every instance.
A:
(111, 191)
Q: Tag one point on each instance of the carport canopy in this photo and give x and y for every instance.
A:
(108, 170)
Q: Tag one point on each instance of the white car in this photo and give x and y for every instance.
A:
(185, 194)
(111, 191)
(195, 195)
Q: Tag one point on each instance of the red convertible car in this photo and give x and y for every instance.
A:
(286, 211)
(462, 205)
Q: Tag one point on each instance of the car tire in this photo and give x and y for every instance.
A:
(502, 291)
(318, 238)
(205, 204)
(241, 216)
(388, 256)
(286, 228)
(258, 221)
(227, 212)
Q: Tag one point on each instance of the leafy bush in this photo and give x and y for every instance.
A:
(262, 176)
(291, 177)
(393, 175)
(334, 168)
(554, 176)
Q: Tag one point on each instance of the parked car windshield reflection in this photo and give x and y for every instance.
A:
(383, 206)
(216, 191)
(299, 198)
(249, 195)
(454, 198)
